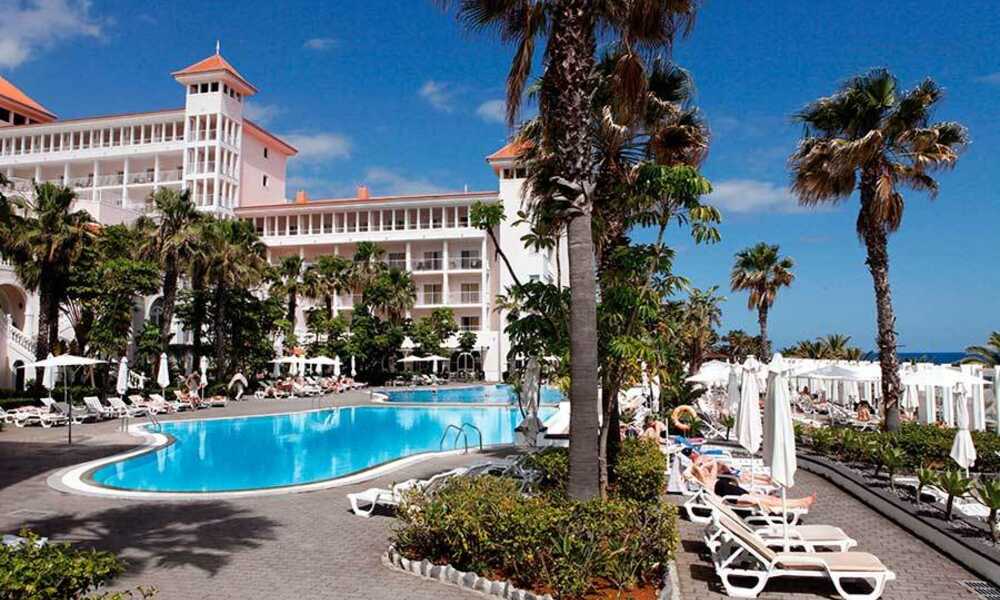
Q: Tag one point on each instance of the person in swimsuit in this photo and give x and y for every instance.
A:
(708, 476)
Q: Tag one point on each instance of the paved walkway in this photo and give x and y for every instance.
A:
(921, 571)
(299, 546)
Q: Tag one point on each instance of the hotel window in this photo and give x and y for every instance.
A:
(265, 181)
(431, 262)
(215, 86)
(469, 324)
(520, 173)
(432, 293)
(194, 89)
(265, 151)
(397, 260)
(20, 119)
(204, 88)
(4, 115)
(470, 293)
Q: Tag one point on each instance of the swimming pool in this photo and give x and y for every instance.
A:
(477, 394)
(273, 451)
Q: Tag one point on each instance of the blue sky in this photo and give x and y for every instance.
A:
(395, 95)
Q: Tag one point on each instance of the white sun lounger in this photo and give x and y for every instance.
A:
(811, 538)
(743, 554)
(364, 503)
(698, 510)
(123, 410)
(94, 407)
(172, 405)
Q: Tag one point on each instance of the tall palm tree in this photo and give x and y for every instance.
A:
(762, 271)
(566, 89)
(871, 137)
(699, 316)
(987, 354)
(836, 345)
(368, 265)
(391, 294)
(45, 237)
(236, 260)
(171, 238)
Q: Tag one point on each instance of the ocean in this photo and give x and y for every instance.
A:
(941, 358)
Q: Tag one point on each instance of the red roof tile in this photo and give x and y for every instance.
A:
(511, 150)
(211, 64)
(11, 92)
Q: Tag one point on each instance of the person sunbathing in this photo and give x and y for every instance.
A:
(726, 486)
(864, 411)
(724, 470)
(655, 430)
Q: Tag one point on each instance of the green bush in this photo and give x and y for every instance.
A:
(483, 524)
(641, 471)
(58, 572)
(552, 465)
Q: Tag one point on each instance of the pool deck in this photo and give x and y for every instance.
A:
(308, 545)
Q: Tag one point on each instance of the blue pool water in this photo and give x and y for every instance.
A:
(490, 394)
(221, 455)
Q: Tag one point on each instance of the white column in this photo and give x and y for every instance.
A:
(948, 407)
(483, 296)
(931, 403)
(125, 174)
(97, 174)
(156, 168)
(66, 174)
(409, 263)
(38, 173)
(444, 267)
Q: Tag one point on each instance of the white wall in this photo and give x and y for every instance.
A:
(255, 166)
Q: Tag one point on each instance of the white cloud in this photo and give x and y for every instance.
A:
(320, 43)
(493, 111)
(317, 147)
(34, 25)
(993, 78)
(439, 95)
(750, 195)
(386, 182)
(262, 114)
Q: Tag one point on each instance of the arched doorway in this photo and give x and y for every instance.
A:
(19, 376)
(156, 312)
(13, 302)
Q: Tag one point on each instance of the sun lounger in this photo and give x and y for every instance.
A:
(698, 510)
(191, 400)
(172, 405)
(811, 538)
(93, 406)
(744, 555)
(364, 503)
(123, 410)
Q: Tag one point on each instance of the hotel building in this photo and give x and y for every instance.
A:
(236, 169)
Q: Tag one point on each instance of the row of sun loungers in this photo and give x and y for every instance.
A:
(750, 545)
(306, 387)
(53, 413)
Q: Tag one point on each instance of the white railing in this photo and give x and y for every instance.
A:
(448, 299)
(465, 263)
(136, 380)
(21, 341)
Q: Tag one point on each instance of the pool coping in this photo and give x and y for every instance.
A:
(75, 479)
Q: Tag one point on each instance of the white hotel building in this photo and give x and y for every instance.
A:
(236, 169)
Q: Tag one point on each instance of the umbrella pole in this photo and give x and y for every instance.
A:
(784, 514)
(69, 430)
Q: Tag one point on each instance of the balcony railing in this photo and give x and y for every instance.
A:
(396, 264)
(465, 263)
(425, 298)
(428, 264)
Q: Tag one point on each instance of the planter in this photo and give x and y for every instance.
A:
(449, 575)
(968, 553)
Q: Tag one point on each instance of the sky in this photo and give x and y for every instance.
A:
(396, 95)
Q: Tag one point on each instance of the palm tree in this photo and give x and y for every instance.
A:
(328, 276)
(836, 345)
(368, 265)
(987, 354)
(868, 136)
(236, 260)
(290, 284)
(171, 238)
(45, 237)
(699, 316)
(761, 270)
(564, 102)
(391, 294)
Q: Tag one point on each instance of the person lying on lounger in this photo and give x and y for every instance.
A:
(708, 476)
(723, 470)
(652, 429)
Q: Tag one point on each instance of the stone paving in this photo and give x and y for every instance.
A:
(308, 545)
(921, 571)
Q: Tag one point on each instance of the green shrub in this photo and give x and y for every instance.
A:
(58, 572)
(483, 524)
(552, 465)
(641, 471)
(954, 483)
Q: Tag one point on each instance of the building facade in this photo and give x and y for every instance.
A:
(236, 169)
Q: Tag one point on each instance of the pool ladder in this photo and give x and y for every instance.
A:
(461, 432)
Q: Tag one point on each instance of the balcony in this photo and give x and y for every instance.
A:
(428, 264)
(396, 264)
(425, 298)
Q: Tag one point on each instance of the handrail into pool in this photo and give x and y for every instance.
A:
(477, 430)
(459, 431)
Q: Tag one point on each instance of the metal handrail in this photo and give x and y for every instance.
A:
(459, 431)
(478, 432)
(154, 421)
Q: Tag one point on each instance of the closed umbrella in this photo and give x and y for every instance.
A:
(49, 377)
(354, 367)
(163, 374)
(336, 366)
(732, 392)
(748, 427)
(963, 451)
(779, 435)
(121, 386)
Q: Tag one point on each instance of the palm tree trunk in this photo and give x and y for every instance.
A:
(293, 301)
(219, 330)
(877, 243)
(169, 301)
(42, 336)
(197, 317)
(765, 345)
(565, 111)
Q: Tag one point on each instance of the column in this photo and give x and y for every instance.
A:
(125, 174)
(931, 403)
(156, 168)
(444, 267)
(38, 173)
(948, 407)
(66, 174)
(482, 287)
(409, 263)
(97, 175)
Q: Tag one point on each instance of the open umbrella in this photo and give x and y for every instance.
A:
(963, 451)
(435, 359)
(64, 361)
(779, 435)
(121, 385)
(241, 384)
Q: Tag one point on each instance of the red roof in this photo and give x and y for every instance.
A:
(211, 64)
(11, 92)
(512, 150)
(266, 136)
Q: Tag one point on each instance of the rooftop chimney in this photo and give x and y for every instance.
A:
(363, 192)
(301, 197)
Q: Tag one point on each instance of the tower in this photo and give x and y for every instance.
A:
(215, 93)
